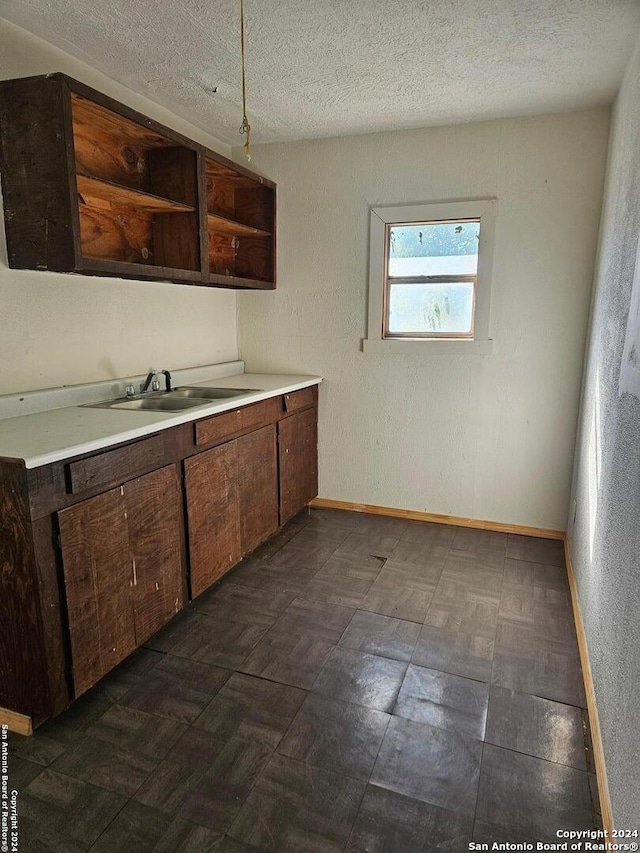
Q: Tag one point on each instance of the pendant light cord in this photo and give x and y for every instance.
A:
(245, 127)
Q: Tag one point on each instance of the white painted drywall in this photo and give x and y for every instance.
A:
(488, 437)
(605, 538)
(64, 329)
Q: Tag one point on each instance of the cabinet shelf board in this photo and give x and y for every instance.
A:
(223, 225)
(97, 188)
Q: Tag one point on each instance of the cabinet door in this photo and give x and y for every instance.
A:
(257, 487)
(154, 507)
(94, 538)
(213, 514)
(298, 456)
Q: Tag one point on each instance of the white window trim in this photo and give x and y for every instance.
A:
(480, 344)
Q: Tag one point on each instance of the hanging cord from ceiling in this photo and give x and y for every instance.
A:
(245, 127)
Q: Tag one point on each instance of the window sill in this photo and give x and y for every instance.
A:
(427, 347)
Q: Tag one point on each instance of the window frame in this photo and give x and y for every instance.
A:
(381, 218)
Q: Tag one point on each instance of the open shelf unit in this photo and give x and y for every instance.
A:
(117, 194)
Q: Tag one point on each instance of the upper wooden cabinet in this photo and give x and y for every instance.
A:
(93, 187)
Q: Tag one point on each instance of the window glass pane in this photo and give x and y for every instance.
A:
(436, 248)
(425, 309)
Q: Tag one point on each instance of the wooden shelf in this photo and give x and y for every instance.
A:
(93, 187)
(223, 225)
(90, 187)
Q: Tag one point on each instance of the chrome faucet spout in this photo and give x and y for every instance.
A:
(147, 382)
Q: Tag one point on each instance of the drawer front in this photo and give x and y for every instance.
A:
(299, 399)
(229, 423)
(122, 463)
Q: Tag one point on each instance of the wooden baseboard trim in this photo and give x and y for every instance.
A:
(414, 515)
(18, 723)
(594, 722)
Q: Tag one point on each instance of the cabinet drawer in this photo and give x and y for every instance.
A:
(229, 423)
(299, 399)
(113, 465)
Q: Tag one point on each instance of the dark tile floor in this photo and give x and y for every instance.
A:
(360, 683)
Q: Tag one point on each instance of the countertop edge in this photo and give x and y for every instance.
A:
(165, 421)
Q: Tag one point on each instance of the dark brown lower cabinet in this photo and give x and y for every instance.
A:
(298, 457)
(93, 548)
(123, 571)
(211, 485)
(257, 486)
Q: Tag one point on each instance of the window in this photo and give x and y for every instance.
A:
(430, 277)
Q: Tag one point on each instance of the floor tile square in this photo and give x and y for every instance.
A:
(336, 590)
(468, 655)
(365, 679)
(399, 602)
(109, 766)
(534, 550)
(137, 731)
(443, 700)
(537, 727)
(422, 577)
(423, 552)
(361, 566)
(426, 531)
(460, 606)
(295, 807)
(381, 635)
(368, 544)
(388, 822)
(236, 603)
(296, 660)
(69, 807)
(472, 539)
(340, 736)
(205, 778)
(452, 759)
(217, 642)
(252, 709)
(320, 620)
(178, 688)
(551, 674)
(529, 795)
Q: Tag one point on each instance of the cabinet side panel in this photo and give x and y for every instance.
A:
(154, 509)
(98, 578)
(212, 509)
(258, 486)
(53, 615)
(23, 682)
(35, 157)
(298, 456)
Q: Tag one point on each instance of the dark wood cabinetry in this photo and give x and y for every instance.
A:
(98, 552)
(91, 186)
(257, 487)
(298, 455)
(123, 571)
(213, 514)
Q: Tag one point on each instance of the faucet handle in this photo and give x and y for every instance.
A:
(130, 391)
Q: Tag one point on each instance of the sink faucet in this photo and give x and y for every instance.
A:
(167, 379)
(150, 381)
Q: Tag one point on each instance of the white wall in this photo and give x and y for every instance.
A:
(605, 539)
(487, 437)
(63, 329)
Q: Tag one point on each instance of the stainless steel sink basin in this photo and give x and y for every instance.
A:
(189, 391)
(168, 403)
(188, 397)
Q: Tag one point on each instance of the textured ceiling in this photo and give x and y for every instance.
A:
(334, 67)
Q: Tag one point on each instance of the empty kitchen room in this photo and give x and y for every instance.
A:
(319, 426)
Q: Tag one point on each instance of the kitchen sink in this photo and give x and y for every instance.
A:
(189, 391)
(188, 397)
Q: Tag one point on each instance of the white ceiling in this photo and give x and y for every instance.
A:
(334, 67)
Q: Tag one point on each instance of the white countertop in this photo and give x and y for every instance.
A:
(48, 436)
